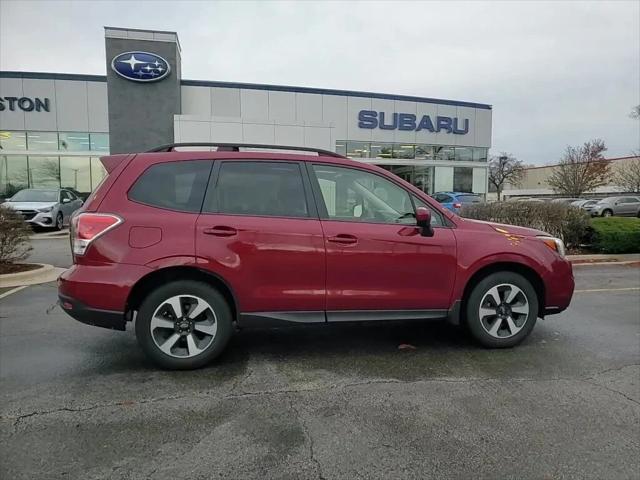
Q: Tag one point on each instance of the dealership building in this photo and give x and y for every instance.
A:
(55, 126)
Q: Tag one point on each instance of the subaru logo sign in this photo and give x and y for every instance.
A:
(140, 66)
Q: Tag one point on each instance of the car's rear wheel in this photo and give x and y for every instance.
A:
(59, 221)
(607, 213)
(183, 325)
(501, 310)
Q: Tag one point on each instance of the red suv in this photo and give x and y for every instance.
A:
(190, 244)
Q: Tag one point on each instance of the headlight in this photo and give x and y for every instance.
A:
(45, 209)
(554, 244)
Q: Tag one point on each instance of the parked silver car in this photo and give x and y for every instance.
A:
(586, 205)
(626, 206)
(45, 207)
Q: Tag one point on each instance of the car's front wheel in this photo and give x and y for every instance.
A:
(183, 325)
(607, 213)
(501, 310)
(59, 221)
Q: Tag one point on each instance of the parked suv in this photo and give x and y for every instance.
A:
(190, 244)
(628, 206)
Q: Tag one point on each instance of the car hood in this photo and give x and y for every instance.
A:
(503, 228)
(28, 205)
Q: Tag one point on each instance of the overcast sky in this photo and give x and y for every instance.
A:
(556, 73)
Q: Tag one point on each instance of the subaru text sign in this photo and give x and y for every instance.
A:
(410, 122)
(140, 66)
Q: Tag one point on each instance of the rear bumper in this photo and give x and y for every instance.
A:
(92, 316)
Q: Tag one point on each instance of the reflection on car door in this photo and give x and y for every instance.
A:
(378, 264)
(260, 230)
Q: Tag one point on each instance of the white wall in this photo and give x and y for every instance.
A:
(339, 112)
(75, 105)
(190, 128)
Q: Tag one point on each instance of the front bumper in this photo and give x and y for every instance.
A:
(92, 316)
(42, 220)
(559, 285)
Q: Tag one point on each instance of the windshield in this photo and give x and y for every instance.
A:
(604, 200)
(35, 196)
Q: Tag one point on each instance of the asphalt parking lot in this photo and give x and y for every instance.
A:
(328, 401)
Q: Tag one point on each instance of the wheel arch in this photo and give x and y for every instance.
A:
(505, 266)
(173, 273)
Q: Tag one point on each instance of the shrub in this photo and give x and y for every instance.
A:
(14, 236)
(566, 222)
(616, 235)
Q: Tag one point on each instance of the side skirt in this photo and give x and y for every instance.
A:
(274, 319)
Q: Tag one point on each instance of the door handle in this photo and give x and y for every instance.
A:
(343, 239)
(220, 231)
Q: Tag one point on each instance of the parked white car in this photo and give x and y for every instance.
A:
(50, 208)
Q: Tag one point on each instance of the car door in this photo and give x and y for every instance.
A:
(378, 264)
(259, 230)
(628, 206)
(65, 205)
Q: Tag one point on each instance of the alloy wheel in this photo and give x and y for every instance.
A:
(183, 326)
(504, 311)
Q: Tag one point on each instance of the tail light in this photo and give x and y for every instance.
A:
(457, 205)
(86, 227)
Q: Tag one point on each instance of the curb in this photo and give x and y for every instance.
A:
(51, 235)
(46, 273)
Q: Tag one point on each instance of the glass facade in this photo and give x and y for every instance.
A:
(410, 151)
(79, 172)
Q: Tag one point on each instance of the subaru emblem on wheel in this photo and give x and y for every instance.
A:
(140, 66)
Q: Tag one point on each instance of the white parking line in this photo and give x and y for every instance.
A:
(14, 290)
(595, 290)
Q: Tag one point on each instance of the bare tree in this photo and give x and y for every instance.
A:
(635, 112)
(581, 169)
(627, 175)
(505, 168)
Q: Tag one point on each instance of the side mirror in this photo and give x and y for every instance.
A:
(423, 220)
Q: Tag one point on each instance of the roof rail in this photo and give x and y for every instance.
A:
(235, 147)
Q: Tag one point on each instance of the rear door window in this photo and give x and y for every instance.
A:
(259, 188)
(173, 185)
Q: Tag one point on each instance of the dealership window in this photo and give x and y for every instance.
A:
(13, 174)
(480, 154)
(462, 179)
(42, 141)
(173, 185)
(381, 150)
(13, 140)
(73, 141)
(44, 172)
(99, 142)
(98, 172)
(260, 188)
(75, 174)
(358, 196)
(424, 152)
(341, 148)
(464, 154)
(401, 150)
(358, 149)
(444, 153)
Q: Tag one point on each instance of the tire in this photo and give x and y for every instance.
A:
(156, 325)
(607, 213)
(522, 310)
(59, 221)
